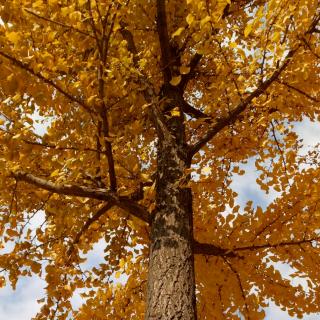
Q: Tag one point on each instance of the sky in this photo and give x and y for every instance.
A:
(21, 304)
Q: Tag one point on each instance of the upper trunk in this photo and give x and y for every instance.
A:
(171, 285)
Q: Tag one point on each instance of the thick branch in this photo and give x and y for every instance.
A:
(46, 81)
(187, 108)
(233, 115)
(86, 192)
(212, 250)
(162, 28)
(192, 111)
(127, 35)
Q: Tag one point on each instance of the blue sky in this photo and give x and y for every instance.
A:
(21, 304)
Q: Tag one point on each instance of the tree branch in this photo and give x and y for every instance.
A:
(237, 275)
(187, 77)
(299, 91)
(58, 23)
(52, 146)
(87, 224)
(192, 111)
(233, 115)
(49, 82)
(162, 28)
(122, 202)
(212, 250)
(187, 108)
(148, 92)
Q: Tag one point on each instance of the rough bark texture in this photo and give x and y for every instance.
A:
(171, 285)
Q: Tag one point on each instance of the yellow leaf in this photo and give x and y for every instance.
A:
(66, 10)
(184, 70)
(259, 211)
(75, 16)
(37, 4)
(95, 225)
(91, 99)
(248, 29)
(259, 13)
(204, 21)
(206, 170)
(177, 32)
(35, 267)
(67, 287)
(175, 113)
(117, 275)
(122, 263)
(51, 36)
(175, 81)
(12, 233)
(15, 168)
(233, 45)
(17, 136)
(55, 173)
(145, 177)
(276, 36)
(189, 19)
(13, 37)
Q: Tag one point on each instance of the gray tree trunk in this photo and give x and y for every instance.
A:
(171, 282)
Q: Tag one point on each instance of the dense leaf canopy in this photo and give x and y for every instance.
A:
(89, 74)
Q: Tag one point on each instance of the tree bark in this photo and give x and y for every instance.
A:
(171, 281)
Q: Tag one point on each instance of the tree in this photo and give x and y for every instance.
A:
(150, 109)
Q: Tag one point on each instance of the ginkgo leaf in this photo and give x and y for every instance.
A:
(276, 36)
(178, 32)
(184, 69)
(175, 80)
(248, 29)
(204, 21)
(95, 225)
(206, 170)
(55, 173)
(175, 113)
(12, 232)
(190, 19)
(35, 267)
(13, 37)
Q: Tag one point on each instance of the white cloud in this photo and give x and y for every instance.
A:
(21, 304)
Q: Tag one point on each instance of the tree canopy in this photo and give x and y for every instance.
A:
(105, 80)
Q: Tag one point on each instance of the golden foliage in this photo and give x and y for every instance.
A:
(88, 73)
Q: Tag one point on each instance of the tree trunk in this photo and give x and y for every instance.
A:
(171, 283)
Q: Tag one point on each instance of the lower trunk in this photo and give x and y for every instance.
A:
(171, 283)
